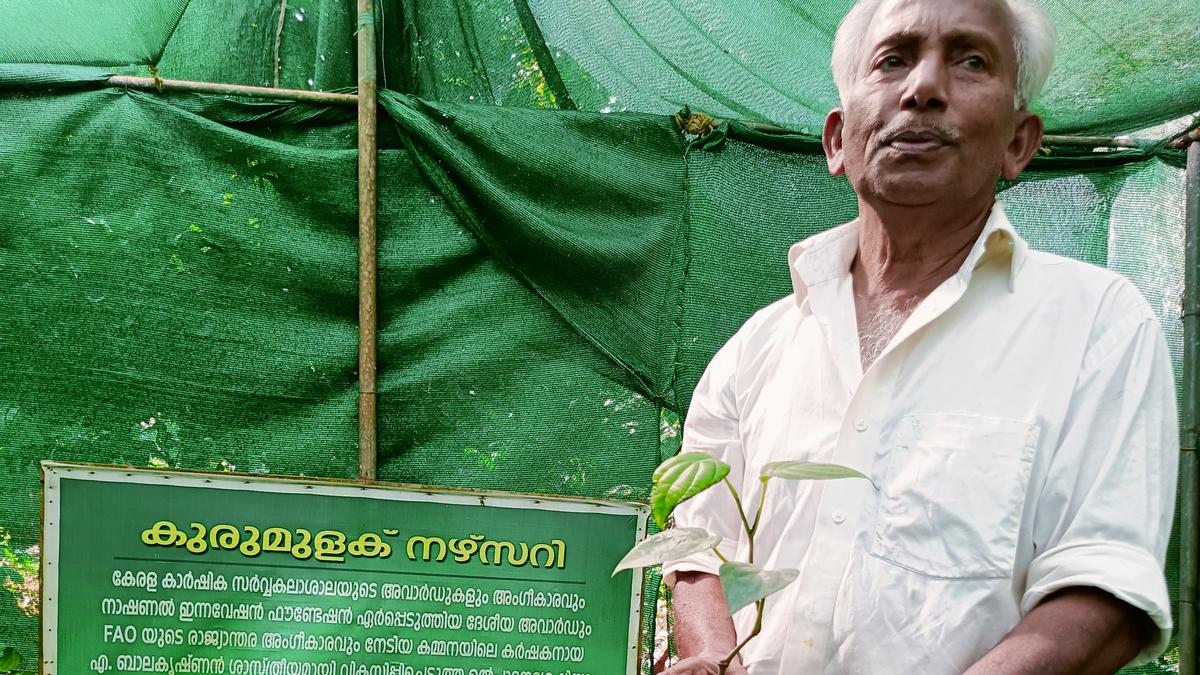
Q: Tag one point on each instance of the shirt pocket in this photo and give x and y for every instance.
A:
(953, 494)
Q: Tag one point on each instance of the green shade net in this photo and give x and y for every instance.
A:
(91, 33)
(180, 271)
(237, 42)
(1121, 64)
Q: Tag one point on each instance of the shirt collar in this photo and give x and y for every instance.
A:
(827, 256)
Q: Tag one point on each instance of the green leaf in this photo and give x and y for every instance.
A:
(680, 478)
(744, 583)
(670, 545)
(809, 471)
(10, 660)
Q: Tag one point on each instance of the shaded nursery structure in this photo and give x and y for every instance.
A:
(218, 252)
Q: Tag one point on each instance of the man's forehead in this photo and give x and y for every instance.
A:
(970, 21)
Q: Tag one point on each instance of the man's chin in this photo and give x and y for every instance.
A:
(917, 192)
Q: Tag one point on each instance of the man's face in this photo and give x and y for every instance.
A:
(930, 113)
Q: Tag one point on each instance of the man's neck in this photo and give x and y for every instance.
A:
(903, 254)
(906, 252)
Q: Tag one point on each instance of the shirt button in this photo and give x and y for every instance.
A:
(839, 517)
(861, 425)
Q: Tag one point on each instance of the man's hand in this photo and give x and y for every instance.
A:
(700, 665)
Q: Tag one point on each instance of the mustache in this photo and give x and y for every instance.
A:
(943, 133)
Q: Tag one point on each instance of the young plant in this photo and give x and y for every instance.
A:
(686, 475)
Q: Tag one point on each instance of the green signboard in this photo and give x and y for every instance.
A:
(170, 572)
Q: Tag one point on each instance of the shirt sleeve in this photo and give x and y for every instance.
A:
(1103, 517)
(712, 427)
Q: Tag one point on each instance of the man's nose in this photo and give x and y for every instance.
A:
(925, 88)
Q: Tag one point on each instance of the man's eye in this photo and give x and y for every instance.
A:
(975, 62)
(890, 62)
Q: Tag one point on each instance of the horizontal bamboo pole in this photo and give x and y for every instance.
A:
(304, 95)
(1090, 141)
(301, 95)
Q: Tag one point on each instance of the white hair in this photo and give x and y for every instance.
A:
(1033, 43)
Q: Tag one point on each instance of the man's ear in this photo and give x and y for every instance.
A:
(831, 140)
(1024, 145)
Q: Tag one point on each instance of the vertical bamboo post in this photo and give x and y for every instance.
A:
(366, 241)
(1189, 468)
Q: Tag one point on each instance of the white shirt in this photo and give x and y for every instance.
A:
(1020, 427)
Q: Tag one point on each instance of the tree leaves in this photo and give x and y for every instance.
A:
(744, 583)
(682, 477)
(664, 546)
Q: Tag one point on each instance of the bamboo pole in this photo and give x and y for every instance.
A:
(1090, 141)
(300, 95)
(1187, 137)
(1120, 142)
(367, 445)
(1189, 467)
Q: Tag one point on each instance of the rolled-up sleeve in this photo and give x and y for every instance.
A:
(1103, 517)
(712, 427)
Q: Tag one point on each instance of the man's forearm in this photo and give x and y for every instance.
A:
(703, 626)
(1077, 631)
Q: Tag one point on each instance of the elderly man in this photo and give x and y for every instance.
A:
(1014, 410)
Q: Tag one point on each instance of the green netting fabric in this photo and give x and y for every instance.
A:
(1121, 65)
(301, 45)
(612, 271)
(473, 52)
(181, 285)
(238, 42)
(93, 33)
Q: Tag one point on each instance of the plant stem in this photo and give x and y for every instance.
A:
(718, 552)
(762, 499)
(758, 607)
(742, 513)
(723, 665)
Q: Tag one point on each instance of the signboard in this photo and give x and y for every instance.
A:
(169, 572)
